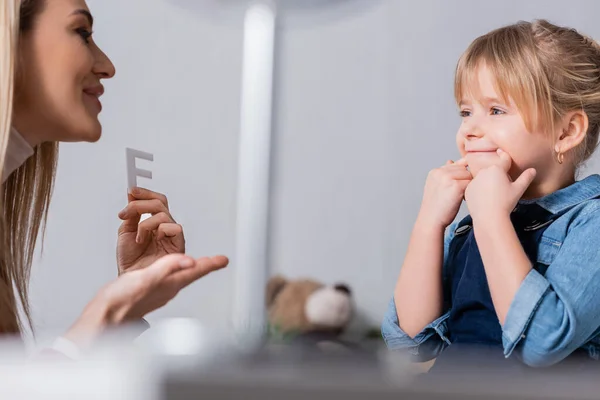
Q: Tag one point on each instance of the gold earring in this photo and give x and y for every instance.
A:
(560, 157)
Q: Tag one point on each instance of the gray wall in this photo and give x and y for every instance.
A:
(364, 110)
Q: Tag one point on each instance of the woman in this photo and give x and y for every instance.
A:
(50, 74)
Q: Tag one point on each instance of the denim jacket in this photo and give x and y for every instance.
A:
(553, 313)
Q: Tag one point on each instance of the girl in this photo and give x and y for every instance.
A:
(520, 276)
(50, 74)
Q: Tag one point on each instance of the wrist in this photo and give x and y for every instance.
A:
(94, 319)
(492, 223)
(67, 348)
(424, 222)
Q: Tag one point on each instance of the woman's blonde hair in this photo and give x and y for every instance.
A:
(546, 69)
(26, 193)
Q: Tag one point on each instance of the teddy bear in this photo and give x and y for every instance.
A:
(308, 312)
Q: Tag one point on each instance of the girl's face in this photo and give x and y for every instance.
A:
(58, 76)
(489, 124)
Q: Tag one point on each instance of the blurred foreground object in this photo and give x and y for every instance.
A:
(180, 359)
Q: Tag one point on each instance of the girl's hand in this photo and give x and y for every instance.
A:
(444, 192)
(493, 193)
(141, 244)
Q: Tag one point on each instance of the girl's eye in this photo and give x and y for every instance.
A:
(465, 113)
(497, 111)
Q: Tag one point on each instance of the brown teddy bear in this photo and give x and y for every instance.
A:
(307, 311)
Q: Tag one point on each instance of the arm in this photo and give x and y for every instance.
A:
(431, 339)
(418, 294)
(416, 314)
(136, 293)
(506, 264)
(550, 316)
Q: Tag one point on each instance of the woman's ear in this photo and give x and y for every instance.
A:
(574, 129)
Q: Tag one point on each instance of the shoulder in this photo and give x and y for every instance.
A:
(586, 213)
(580, 225)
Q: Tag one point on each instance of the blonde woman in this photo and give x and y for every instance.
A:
(50, 84)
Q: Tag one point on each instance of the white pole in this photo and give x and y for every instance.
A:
(253, 173)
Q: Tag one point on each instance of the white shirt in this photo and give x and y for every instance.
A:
(17, 152)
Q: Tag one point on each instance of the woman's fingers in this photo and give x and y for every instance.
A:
(139, 193)
(169, 230)
(154, 223)
(167, 266)
(143, 201)
(181, 270)
(202, 267)
(138, 207)
(137, 293)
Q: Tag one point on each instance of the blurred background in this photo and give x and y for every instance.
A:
(364, 108)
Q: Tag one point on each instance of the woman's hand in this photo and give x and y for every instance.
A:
(139, 292)
(142, 243)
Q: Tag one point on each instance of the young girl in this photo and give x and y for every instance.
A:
(520, 276)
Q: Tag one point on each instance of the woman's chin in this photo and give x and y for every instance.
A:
(89, 132)
(94, 132)
(95, 136)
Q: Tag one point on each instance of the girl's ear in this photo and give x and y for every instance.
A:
(574, 127)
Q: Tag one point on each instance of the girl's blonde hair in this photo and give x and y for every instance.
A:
(546, 69)
(26, 193)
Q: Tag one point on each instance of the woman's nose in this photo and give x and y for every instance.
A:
(104, 68)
